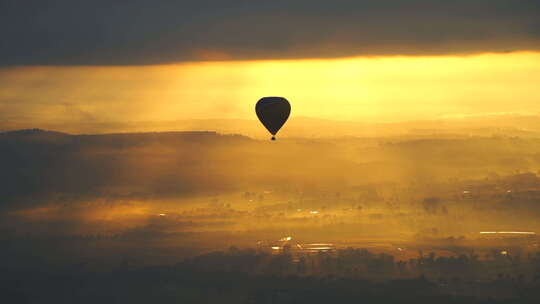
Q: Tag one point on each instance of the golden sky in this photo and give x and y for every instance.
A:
(393, 88)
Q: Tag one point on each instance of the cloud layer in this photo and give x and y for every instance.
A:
(65, 32)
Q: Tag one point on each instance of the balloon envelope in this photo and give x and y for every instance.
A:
(273, 112)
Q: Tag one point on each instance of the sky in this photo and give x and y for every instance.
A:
(386, 60)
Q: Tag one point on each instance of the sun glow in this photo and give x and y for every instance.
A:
(367, 88)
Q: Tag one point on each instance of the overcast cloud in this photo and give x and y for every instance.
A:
(115, 32)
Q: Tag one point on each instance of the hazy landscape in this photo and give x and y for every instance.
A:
(459, 204)
(269, 152)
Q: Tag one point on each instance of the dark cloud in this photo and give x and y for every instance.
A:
(115, 32)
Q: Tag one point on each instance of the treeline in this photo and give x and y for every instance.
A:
(364, 264)
(248, 276)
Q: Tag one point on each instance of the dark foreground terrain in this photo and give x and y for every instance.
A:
(248, 276)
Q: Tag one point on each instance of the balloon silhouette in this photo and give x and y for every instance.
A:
(273, 112)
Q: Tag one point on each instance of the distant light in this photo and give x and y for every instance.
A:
(320, 244)
(508, 191)
(163, 214)
(285, 239)
(314, 212)
(276, 247)
(504, 252)
(508, 232)
(400, 249)
(466, 192)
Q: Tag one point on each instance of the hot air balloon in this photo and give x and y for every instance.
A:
(273, 112)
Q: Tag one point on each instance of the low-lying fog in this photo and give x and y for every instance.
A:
(164, 196)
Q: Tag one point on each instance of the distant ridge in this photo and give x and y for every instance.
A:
(307, 127)
(31, 132)
(37, 131)
(135, 138)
